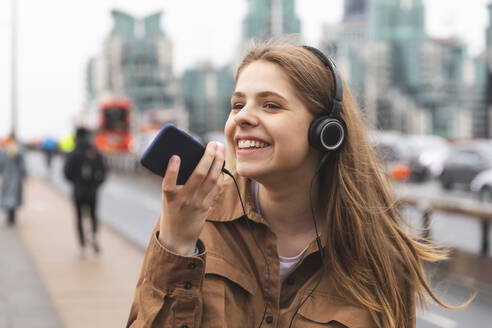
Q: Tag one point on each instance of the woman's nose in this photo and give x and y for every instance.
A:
(246, 116)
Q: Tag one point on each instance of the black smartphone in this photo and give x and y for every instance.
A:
(173, 141)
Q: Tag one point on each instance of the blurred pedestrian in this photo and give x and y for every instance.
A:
(86, 170)
(13, 170)
(318, 240)
(49, 147)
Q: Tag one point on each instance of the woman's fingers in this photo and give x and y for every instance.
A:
(203, 180)
(185, 207)
(201, 171)
(171, 176)
(208, 199)
(215, 170)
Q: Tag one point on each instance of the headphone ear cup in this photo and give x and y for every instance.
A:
(326, 133)
(313, 135)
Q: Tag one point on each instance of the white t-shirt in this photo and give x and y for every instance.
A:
(286, 263)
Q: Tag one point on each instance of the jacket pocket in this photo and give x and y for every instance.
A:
(227, 292)
(321, 310)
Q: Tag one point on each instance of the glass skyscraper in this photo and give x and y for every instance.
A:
(135, 62)
(270, 18)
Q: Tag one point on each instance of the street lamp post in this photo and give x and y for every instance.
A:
(13, 67)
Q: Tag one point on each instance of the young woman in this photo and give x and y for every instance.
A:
(318, 242)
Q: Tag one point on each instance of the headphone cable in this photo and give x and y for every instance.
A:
(324, 159)
(245, 217)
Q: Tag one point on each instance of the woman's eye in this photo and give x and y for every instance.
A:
(237, 106)
(272, 106)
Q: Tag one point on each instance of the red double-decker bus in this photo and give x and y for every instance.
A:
(114, 126)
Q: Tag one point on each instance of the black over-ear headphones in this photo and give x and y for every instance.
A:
(327, 132)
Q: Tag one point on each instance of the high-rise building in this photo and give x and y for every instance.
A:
(401, 24)
(487, 112)
(475, 83)
(440, 85)
(135, 62)
(382, 49)
(270, 18)
(206, 92)
(267, 19)
(396, 19)
(354, 8)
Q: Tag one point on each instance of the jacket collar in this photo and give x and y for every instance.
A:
(227, 207)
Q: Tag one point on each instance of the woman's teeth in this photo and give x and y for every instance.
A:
(242, 144)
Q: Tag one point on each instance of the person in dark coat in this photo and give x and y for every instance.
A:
(13, 170)
(86, 170)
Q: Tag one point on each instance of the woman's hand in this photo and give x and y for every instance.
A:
(184, 207)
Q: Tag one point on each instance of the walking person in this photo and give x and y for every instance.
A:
(49, 147)
(86, 170)
(317, 241)
(13, 171)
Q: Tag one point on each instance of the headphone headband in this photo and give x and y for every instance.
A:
(336, 107)
(327, 132)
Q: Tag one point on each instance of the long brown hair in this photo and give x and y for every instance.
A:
(377, 264)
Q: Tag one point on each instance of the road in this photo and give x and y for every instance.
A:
(131, 206)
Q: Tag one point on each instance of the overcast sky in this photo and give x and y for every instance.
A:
(57, 37)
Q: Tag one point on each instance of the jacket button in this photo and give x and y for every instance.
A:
(191, 265)
(269, 319)
(187, 285)
(290, 281)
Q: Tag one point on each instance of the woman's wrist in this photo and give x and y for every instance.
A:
(183, 249)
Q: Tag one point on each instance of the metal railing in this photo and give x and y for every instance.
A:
(472, 209)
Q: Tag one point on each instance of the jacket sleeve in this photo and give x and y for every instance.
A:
(168, 292)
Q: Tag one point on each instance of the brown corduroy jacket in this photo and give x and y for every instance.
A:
(227, 284)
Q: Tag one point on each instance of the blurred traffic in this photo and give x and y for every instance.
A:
(455, 164)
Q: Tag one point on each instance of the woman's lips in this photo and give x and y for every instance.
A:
(252, 150)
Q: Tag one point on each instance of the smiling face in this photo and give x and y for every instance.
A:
(268, 125)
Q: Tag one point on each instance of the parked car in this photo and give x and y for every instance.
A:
(464, 163)
(428, 153)
(481, 186)
(393, 150)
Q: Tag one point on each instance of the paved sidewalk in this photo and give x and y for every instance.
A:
(93, 292)
(24, 301)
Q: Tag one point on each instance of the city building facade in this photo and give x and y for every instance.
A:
(476, 97)
(486, 113)
(399, 75)
(206, 92)
(270, 18)
(136, 62)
